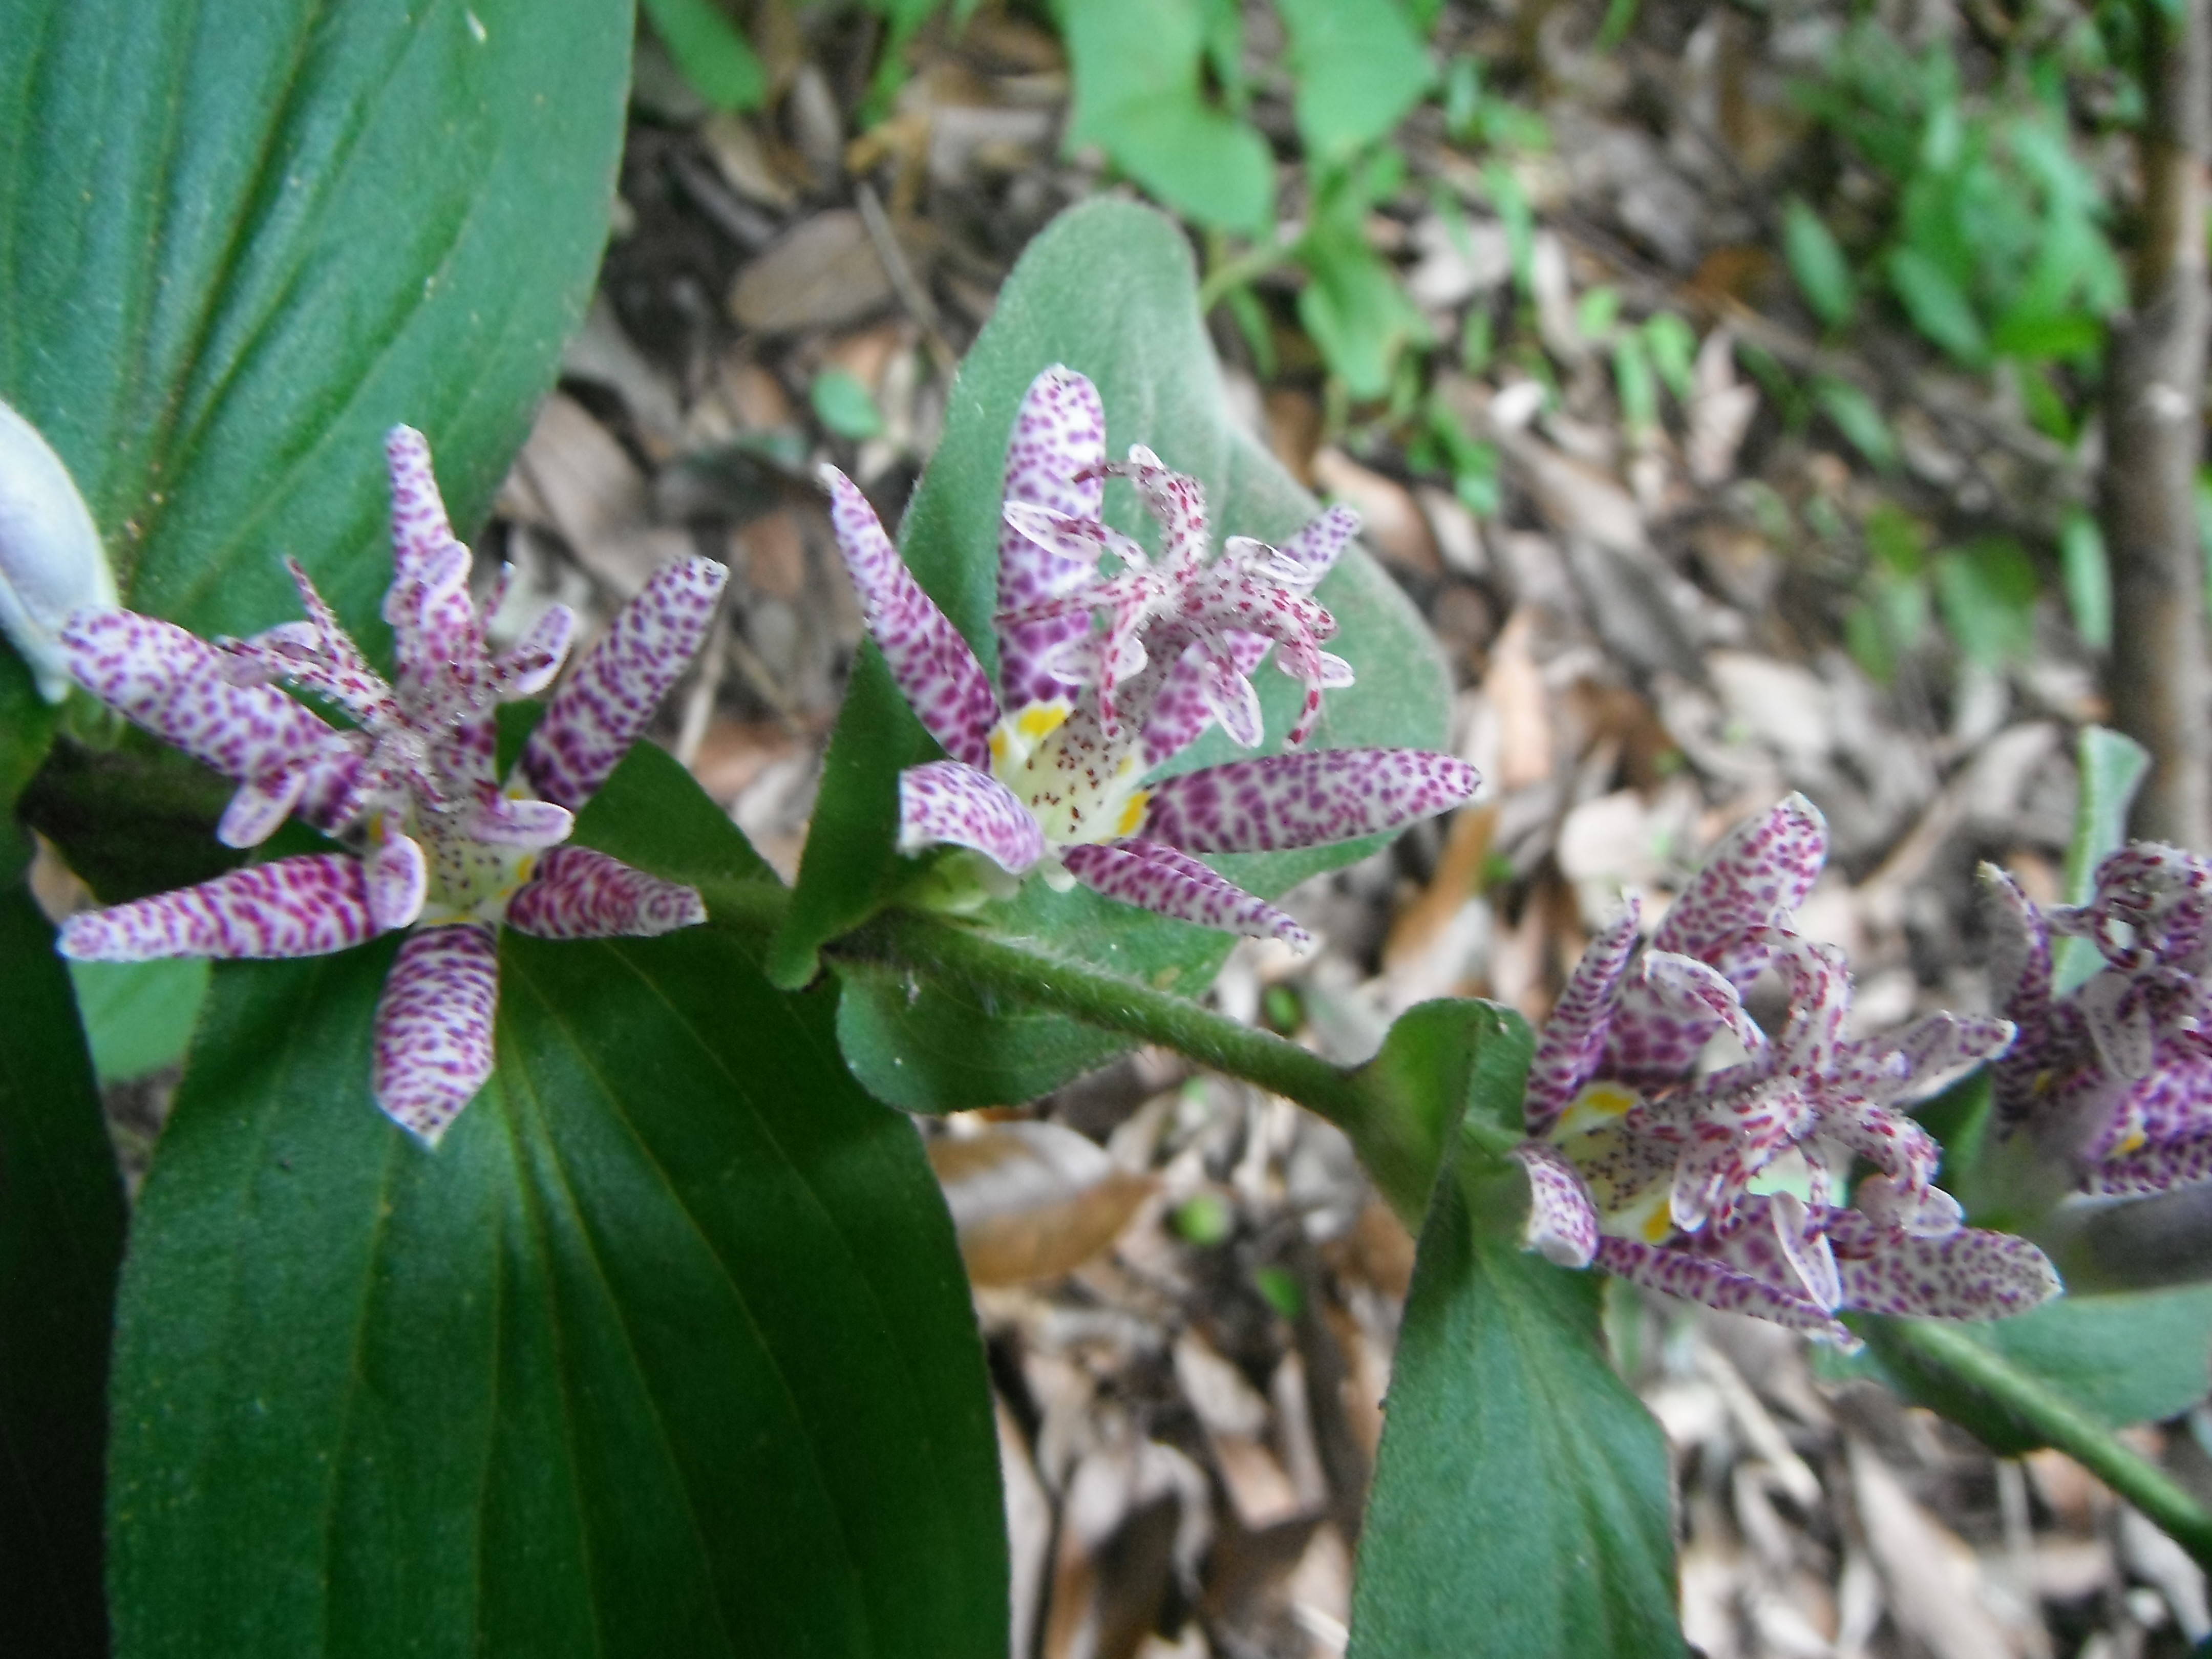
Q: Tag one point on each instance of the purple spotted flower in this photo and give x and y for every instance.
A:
(2117, 1075)
(1047, 772)
(1642, 1164)
(434, 841)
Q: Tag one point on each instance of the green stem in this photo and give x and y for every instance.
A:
(1247, 267)
(1107, 1000)
(1398, 1157)
(2059, 1422)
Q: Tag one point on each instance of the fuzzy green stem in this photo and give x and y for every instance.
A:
(1110, 1002)
(1247, 267)
(2058, 1422)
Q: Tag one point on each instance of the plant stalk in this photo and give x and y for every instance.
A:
(1112, 1003)
(2060, 1422)
(2153, 412)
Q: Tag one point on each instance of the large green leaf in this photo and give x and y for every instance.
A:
(239, 241)
(2135, 1356)
(1107, 289)
(666, 1350)
(1520, 1503)
(61, 1238)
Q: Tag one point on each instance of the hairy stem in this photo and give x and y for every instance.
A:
(2058, 1422)
(1108, 1001)
(2153, 411)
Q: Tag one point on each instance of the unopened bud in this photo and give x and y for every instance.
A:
(52, 563)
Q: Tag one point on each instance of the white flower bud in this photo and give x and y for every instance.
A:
(52, 563)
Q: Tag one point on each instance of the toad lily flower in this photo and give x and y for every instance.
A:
(52, 563)
(434, 843)
(2116, 1075)
(1047, 772)
(1640, 1165)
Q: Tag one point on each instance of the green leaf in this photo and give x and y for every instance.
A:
(61, 1239)
(1522, 1492)
(28, 722)
(1858, 418)
(711, 51)
(238, 242)
(1823, 274)
(138, 1016)
(927, 1047)
(2089, 576)
(666, 1350)
(2133, 1356)
(1674, 348)
(1358, 67)
(1987, 590)
(2110, 766)
(1137, 96)
(1109, 290)
(842, 404)
(1354, 307)
(1938, 307)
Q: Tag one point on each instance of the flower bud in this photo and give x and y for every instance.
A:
(52, 563)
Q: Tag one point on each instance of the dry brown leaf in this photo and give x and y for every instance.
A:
(1294, 426)
(1515, 688)
(1032, 1200)
(1392, 522)
(1932, 1576)
(775, 555)
(823, 273)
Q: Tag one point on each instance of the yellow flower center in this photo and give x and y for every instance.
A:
(1081, 791)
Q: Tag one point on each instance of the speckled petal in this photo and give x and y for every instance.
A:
(2157, 1168)
(1668, 1010)
(433, 624)
(171, 683)
(1728, 1148)
(536, 659)
(1157, 877)
(1914, 1062)
(1766, 866)
(945, 801)
(935, 669)
(1563, 1225)
(1573, 1039)
(1972, 1274)
(1714, 1284)
(299, 906)
(1176, 715)
(1319, 544)
(607, 702)
(505, 821)
(1305, 800)
(398, 880)
(257, 810)
(433, 1027)
(577, 893)
(1053, 461)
